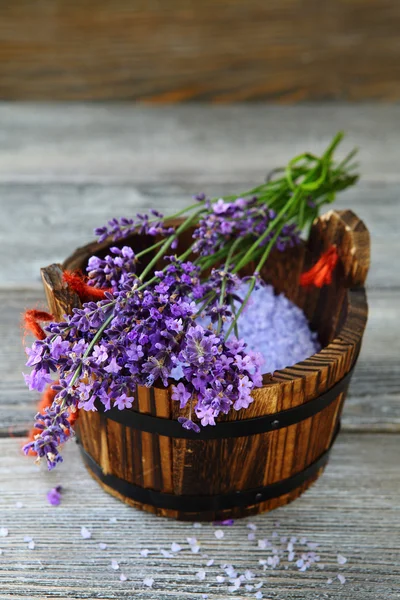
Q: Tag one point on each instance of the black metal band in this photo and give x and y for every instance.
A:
(207, 503)
(228, 429)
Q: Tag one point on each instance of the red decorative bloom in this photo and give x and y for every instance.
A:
(321, 273)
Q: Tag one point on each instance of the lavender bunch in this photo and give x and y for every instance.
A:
(175, 314)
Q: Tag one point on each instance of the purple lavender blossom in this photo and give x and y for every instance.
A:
(118, 229)
(112, 270)
(145, 335)
(244, 217)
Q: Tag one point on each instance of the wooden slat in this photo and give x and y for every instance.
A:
(196, 144)
(212, 50)
(374, 397)
(353, 510)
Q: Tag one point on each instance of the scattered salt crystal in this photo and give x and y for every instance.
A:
(3, 532)
(341, 578)
(219, 534)
(145, 552)
(205, 596)
(192, 541)
(329, 581)
(1, 551)
(220, 578)
(251, 537)
(291, 556)
(148, 581)
(114, 565)
(230, 571)
(235, 585)
(197, 525)
(249, 588)
(262, 544)
(248, 575)
(195, 548)
(299, 563)
(165, 553)
(201, 574)
(175, 547)
(123, 577)
(258, 595)
(18, 505)
(102, 546)
(210, 562)
(252, 526)
(262, 561)
(257, 586)
(85, 533)
(113, 520)
(31, 545)
(342, 560)
(290, 547)
(27, 538)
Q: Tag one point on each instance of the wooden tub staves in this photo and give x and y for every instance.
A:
(256, 459)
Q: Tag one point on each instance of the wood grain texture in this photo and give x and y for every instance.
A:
(219, 51)
(352, 510)
(200, 145)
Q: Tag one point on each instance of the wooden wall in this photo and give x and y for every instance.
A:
(200, 50)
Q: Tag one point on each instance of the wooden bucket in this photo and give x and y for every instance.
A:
(256, 459)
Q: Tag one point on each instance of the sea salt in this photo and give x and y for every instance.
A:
(31, 545)
(342, 560)
(148, 582)
(102, 546)
(145, 552)
(341, 578)
(123, 577)
(175, 547)
(219, 534)
(3, 532)
(114, 565)
(201, 574)
(210, 562)
(85, 533)
(282, 335)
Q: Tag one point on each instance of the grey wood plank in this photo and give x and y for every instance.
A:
(43, 223)
(353, 510)
(84, 142)
(374, 397)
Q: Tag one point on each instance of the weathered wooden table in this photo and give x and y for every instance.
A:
(65, 169)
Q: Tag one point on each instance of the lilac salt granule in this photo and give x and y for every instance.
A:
(272, 325)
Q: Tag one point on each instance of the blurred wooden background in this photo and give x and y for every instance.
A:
(200, 50)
